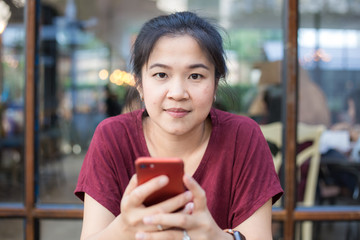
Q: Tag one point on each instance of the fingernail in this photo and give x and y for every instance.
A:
(189, 206)
(140, 235)
(163, 180)
(148, 219)
(188, 195)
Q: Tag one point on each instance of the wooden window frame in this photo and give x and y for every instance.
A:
(289, 215)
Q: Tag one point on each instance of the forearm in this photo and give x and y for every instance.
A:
(113, 231)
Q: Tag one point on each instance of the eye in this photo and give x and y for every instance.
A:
(195, 76)
(160, 75)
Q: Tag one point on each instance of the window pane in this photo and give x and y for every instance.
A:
(329, 94)
(12, 81)
(70, 94)
(324, 230)
(11, 229)
(84, 55)
(60, 229)
(277, 230)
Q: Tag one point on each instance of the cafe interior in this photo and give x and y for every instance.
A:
(294, 67)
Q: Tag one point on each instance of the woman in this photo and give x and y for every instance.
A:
(178, 61)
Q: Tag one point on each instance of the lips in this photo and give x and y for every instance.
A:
(177, 112)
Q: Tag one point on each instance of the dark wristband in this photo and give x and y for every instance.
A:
(236, 234)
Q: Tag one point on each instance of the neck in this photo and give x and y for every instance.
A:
(162, 144)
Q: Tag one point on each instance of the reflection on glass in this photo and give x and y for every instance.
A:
(73, 63)
(11, 103)
(59, 230)
(11, 229)
(83, 79)
(329, 54)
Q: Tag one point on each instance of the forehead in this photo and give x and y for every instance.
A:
(178, 46)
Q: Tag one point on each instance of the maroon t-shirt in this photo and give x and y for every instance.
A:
(236, 171)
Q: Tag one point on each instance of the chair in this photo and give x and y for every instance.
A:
(305, 133)
(273, 134)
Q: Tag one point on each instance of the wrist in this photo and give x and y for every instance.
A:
(121, 227)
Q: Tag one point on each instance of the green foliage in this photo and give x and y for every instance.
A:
(248, 43)
(234, 98)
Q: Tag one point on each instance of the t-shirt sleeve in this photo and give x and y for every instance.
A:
(255, 178)
(98, 177)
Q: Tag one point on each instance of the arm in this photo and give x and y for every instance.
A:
(99, 222)
(258, 225)
(96, 219)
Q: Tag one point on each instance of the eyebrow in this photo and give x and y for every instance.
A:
(199, 65)
(193, 66)
(158, 65)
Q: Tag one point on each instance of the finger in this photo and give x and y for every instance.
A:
(141, 192)
(131, 186)
(199, 196)
(189, 208)
(173, 204)
(167, 207)
(177, 220)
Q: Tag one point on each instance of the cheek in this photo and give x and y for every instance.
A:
(203, 97)
(152, 96)
(209, 92)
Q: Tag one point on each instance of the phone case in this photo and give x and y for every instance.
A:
(148, 168)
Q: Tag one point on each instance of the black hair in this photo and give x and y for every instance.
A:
(180, 23)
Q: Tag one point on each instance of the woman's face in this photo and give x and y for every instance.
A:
(178, 85)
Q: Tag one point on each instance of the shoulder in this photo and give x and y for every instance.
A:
(127, 120)
(119, 126)
(230, 120)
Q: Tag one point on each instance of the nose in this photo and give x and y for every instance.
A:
(178, 89)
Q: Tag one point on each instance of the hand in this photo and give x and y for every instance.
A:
(133, 211)
(199, 224)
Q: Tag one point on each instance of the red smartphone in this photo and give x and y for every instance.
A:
(148, 168)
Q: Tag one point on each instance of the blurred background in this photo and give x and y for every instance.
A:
(83, 76)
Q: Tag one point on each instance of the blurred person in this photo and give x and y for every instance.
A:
(266, 106)
(351, 121)
(113, 107)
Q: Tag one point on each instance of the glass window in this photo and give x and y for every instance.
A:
(11, 229)
(60, 229)
(12, 82)
(74, 70)
(329, 95)
(277, 230)
(329, 230)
